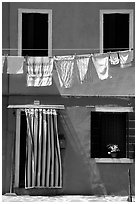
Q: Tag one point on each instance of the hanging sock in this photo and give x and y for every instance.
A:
(65, 67)
(126, 57)
(82, 64)
(15, 64)
(113, 58)
(101, 63)
(39, 71)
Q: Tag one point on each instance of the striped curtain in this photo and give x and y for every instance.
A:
(43, 160)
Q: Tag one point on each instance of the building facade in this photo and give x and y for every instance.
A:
(91, 113)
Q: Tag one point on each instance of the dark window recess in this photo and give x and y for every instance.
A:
(116, 32)
(107, 128)
(23, 132)
(34, 34)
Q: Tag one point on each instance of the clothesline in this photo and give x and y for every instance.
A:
(72, 49)
(40, 69)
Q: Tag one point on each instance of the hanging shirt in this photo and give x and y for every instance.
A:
(65, 67)
(39, 71)
(126, 57)
(101, 63)
(82, 64)
(15, 64)
(113, 58)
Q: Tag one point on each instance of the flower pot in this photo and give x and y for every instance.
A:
(114, 154)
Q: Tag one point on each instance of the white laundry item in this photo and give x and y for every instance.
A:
(15, 64)
(3, 61)
(101, 63)
(39, 71)
(47, 71)
(82, 64)
(126, 57)
(113, 58)
(65, 66)
(30, 65)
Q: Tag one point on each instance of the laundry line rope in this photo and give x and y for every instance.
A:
(71, 49)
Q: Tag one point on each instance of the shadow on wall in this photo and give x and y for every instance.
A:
(81, 174)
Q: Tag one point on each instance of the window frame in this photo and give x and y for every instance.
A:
(121, 11)
(43, 11)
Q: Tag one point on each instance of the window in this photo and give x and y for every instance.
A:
(112, 128)
(116, 30)
(34, 32)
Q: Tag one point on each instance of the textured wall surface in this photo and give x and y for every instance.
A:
(75, 26)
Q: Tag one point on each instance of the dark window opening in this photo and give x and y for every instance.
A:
(23, 132)
(116, 32)
(107, 128)
(34, 34)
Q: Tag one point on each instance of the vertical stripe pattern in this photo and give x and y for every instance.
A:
(43, 159)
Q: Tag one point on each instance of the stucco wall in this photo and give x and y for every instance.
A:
(75, 26)
(81, 174)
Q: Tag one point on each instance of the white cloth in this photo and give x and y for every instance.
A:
(101, 63)
(82, 64)
(65, 66)
(3, 61)
(126, 57)
(47, 72)
(39, 71)
(15, 64)
(113, 58)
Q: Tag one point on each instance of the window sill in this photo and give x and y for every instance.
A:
(114, 160)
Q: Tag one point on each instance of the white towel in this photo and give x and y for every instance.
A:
(65, 66)
(82, 63)
(126, 57)
(15, 64)
(101, 64)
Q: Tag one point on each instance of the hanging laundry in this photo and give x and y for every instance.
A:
(126, 57)
(101, 63)
(15, 64)
(47, 70)
(113, 58)
(82, 64)
(65, 67)
(3, 61)
(39, 71)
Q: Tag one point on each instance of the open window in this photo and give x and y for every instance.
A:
(112, 127)
(34, 32)
(116, 30)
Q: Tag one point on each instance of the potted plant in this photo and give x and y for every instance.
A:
(113, 150)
